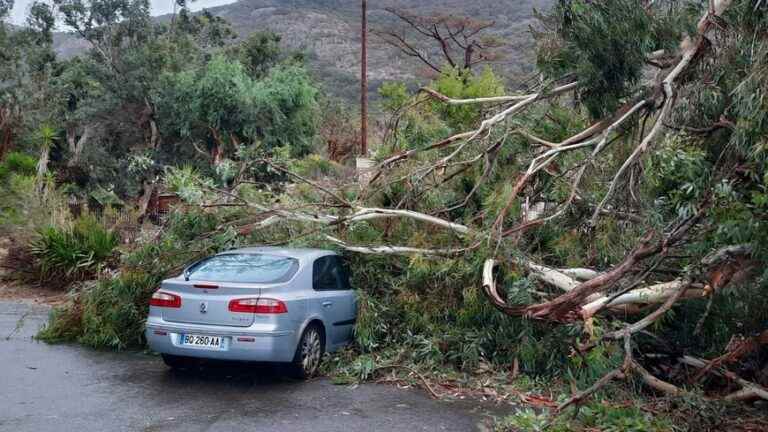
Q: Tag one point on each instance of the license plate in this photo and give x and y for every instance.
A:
(201, 341)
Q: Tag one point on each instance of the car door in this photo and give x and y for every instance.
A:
(333, 298)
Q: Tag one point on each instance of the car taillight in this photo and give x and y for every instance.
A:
(259, 306)
(164, 299)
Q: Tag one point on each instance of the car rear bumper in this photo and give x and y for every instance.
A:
(243, 344)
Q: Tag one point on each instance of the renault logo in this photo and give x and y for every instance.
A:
(203, 307)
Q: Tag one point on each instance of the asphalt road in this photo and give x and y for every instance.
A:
(69, 388)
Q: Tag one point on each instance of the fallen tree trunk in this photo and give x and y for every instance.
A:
(653, 294)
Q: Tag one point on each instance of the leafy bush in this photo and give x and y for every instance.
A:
(18, 163)
(108, 314)
(459, 84)
(73, 253)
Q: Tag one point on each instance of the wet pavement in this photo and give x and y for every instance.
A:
(69, 388)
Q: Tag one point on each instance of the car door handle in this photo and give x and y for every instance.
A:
(327, 304)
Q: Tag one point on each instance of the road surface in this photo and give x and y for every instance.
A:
(68, 388)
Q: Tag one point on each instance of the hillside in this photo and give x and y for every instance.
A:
(328, 31)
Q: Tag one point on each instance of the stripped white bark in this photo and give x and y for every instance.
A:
(362, 214)
(581, 274)
(267, 222)
(76, 147)
(365, 214)
(551, 276)
(489, 282)
(516, 108)
(42, 163)
(545, 159)
(486, 124)
(649, 295)
(656, 55)
(451, 101)
(394, 250)
(690, 49)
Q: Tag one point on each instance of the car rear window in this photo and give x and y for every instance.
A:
(244, 268)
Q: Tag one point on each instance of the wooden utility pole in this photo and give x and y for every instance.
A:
(364, 84)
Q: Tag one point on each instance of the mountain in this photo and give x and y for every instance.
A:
(328, 31)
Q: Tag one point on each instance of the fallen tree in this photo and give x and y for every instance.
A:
(663, 208)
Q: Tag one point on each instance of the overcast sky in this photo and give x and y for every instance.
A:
(159, 7)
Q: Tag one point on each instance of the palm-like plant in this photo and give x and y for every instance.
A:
(45, 135)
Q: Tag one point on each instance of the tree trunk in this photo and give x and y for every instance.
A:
(42, 165)
(6, 132)
(146, 197)
(567, 302)
(154, 137)
(148, 118)
(76, 147)
(71, 139)
(6, 143)
(216, 151)
(468, 53)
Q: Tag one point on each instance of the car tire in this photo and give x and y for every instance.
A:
(179, 362)
(309, 352)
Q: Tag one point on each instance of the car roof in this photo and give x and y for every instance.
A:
(299, 253)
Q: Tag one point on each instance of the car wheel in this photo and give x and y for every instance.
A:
(179, 362)
(309, 352)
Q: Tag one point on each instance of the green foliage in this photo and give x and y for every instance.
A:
(417, 125)
(223, 101)
(207, 29)
(750, 108)
(184, 181)
(315, 166)
(372, 326)
(741, 309)
(259, 52)
(108, 314)
(680, 176)
(285, 106)
(429, 314)
(114, 311)
(604, 44)
(394, 96)
(73, 253)
(18, 163)
(188, 226)
(594, 416)
(461, 84)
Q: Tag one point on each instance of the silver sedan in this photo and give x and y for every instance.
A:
(256, 304)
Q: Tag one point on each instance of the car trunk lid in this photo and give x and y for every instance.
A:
(208, 303)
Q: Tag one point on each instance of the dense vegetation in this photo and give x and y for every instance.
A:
(602, 230)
